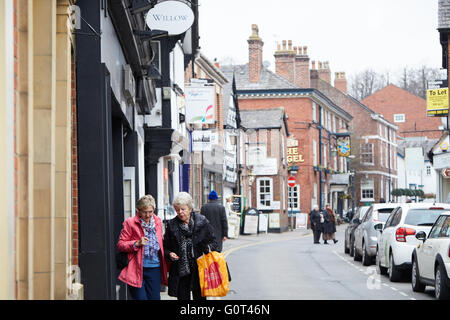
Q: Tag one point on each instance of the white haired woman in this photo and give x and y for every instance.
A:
(142, 238)
(187, 237)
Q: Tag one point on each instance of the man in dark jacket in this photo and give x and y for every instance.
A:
(316, 223)
(217, 217)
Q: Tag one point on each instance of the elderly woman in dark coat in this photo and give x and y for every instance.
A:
(188, 236)
(329, 225)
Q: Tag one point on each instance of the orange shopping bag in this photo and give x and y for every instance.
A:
(213, 274)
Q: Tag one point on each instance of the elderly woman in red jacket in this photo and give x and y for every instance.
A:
(142, 238)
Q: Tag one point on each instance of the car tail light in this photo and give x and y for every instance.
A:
(401, 233)
(449, 251)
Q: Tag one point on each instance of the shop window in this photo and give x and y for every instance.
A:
(294, 197)
(264, 193)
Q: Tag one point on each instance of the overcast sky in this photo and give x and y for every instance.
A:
(353, 35)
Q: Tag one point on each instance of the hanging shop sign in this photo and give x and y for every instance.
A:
(343, 146)
(175, 17)
(201, 140)
(200, 104)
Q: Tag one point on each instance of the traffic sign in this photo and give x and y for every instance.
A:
(291, 181)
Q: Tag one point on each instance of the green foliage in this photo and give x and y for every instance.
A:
(409, 193)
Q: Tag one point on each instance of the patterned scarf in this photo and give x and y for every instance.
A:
(152, 247)
(186, 248)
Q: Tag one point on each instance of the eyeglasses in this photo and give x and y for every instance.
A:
(179, 209)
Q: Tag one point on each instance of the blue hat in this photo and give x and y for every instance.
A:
(213, 195)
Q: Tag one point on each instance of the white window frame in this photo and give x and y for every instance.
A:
(294, 198)
(371, 187)
(381, 154)
(314, 152)
(314, 112)
(258, 193)
(361, 153)
(399, 117)
(129, 192)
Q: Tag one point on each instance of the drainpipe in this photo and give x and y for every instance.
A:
(320, 156)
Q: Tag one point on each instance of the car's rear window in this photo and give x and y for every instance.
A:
(383, 214)
(423, 217)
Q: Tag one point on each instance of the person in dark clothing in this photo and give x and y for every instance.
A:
(188, 236)
(217, 216)
(316, 223)
(329, 225)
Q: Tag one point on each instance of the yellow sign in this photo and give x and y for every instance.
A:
(437, 102)
(293, 156)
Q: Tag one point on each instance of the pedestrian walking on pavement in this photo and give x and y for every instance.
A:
(317, 220)
(188, 236)
(142, 238)
(329, 225)
(217, 216)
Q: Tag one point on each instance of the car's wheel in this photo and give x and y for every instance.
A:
(346, 249)
(417, 286)
(366, 260)
(356, 255)
(352, 253)
(441, 291)
(394, 272)
(380, 268)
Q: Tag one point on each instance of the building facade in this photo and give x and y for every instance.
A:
(265, 159)
(406, 110)
(373, 160)
(311, 116)
(35, 55)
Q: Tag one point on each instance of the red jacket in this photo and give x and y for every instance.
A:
(132, 231)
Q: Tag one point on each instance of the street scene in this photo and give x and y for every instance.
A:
(207, 150)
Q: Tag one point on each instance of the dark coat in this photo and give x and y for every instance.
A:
(217, 216)
(328, 225)
(315, 220)
(203, 235)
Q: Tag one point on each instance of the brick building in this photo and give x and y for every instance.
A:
(311, 116)
(405, 110)
(373, 142)
(265, 154)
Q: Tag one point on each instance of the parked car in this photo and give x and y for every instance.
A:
(350, 230)
(366, 237)
(431, 259)
(397, 240)
(349, 214)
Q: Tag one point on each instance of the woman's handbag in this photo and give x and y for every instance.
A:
(213, 275)
(121, 260)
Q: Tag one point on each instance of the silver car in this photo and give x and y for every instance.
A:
(366, 237)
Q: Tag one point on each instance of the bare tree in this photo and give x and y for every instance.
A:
(365, 83)
(414, 80)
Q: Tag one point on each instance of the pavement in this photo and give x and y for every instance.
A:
(233, 244)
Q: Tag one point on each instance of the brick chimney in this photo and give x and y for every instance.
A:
(340, 81)
(285, 61)
(301, 66)
(255, 55)
(324, 71)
